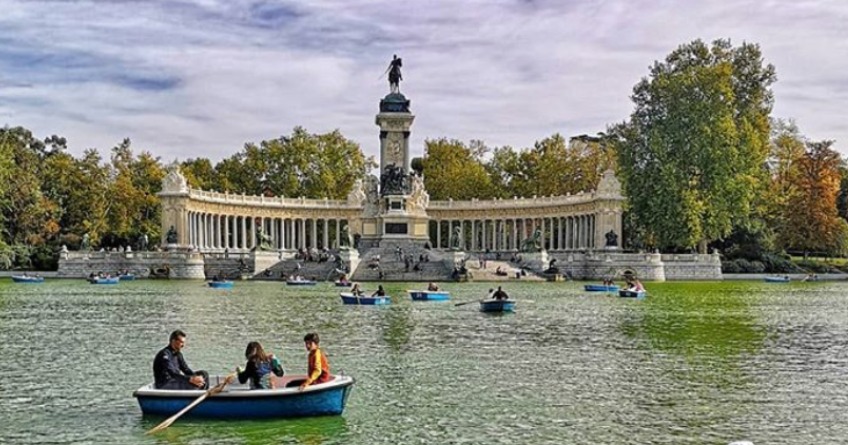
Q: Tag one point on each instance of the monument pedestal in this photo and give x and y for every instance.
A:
(535, 260)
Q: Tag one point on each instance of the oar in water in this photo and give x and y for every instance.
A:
(211, 392)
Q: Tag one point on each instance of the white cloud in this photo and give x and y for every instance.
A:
(201, 78)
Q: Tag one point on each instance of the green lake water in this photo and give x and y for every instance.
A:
(694, 363)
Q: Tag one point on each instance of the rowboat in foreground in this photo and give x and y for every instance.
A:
(103, 280)
(493, 305)
(783, 279)
(349, 298)
(27, 279)
(238, 401)
(221, 284)
(600, 288)
(427, 295)
(638, 294)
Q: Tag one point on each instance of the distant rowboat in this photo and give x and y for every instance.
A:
(301, 282)
(497, 305)
(104, 280)
(27, 279)
(600, 288)
(777, 279)
(349, 298)
(221, 284)
(427, 295)
(637, 294)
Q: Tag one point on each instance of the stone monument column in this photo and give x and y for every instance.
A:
(174, 215)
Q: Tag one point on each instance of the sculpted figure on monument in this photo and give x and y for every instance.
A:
(393, 181)
(394, 74)
(455, 238)
(85, 245)
(143, 242)
(612, 238)
(419, 198)
(357, 194)
(372, 197)
(171, 237)
(263, 240)
(532, 244)
(345, 239)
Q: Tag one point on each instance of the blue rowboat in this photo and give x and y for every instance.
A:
(497, 305)
(238, 401)
(426, 295)
(348, 298)
(221, 284)
(777, 279)
(126, 277)
(342, 283)
(301, 282)
(27, 279)
(103, 280)
(637, 294)
(600, 288)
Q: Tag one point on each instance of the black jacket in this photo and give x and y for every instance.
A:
(169, 365)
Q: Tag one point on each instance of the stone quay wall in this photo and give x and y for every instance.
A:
(176, 264)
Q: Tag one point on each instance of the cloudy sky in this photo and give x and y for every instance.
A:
(199, 78)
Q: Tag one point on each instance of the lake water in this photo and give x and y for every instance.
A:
(694, 363)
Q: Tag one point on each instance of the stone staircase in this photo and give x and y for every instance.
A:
(324, 271)
(395, 269)
(488, 273)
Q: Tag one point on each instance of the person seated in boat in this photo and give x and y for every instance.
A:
(217, 278)
(259, 367)
(432, 287)
(356, 290)
(318, 368)
(635, 285)
(170, 370)
(500, 294)
(379, 292)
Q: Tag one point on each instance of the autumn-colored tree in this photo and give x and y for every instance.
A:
(813, 223)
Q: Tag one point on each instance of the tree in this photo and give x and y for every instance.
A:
(453, 170)
(303, 164)
(813, 223)
(691, 155)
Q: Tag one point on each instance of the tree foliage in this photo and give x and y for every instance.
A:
(813, 223)
(454, 170)
(691, 155)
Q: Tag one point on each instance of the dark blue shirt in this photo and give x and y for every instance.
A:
(168, 366)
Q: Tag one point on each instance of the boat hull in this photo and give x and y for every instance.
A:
(221, 284)
(497, 305)
(111, 280)
(342, 284)
(600, 288)
(27, 280)
(366, 301)
(632, 294)
(777, 279)
(127, 277)
(238, 402)
(423, 295)
(301, 283)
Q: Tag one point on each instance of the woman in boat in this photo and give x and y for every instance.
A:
(635, 285)
(432, 287)
(259, 367)
(379, 292)
(356, 291)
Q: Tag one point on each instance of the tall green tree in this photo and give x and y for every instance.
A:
(454, 170)
(303, 164)
(691, 155)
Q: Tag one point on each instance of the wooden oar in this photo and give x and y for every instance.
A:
(211, 392)
(467, 302)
